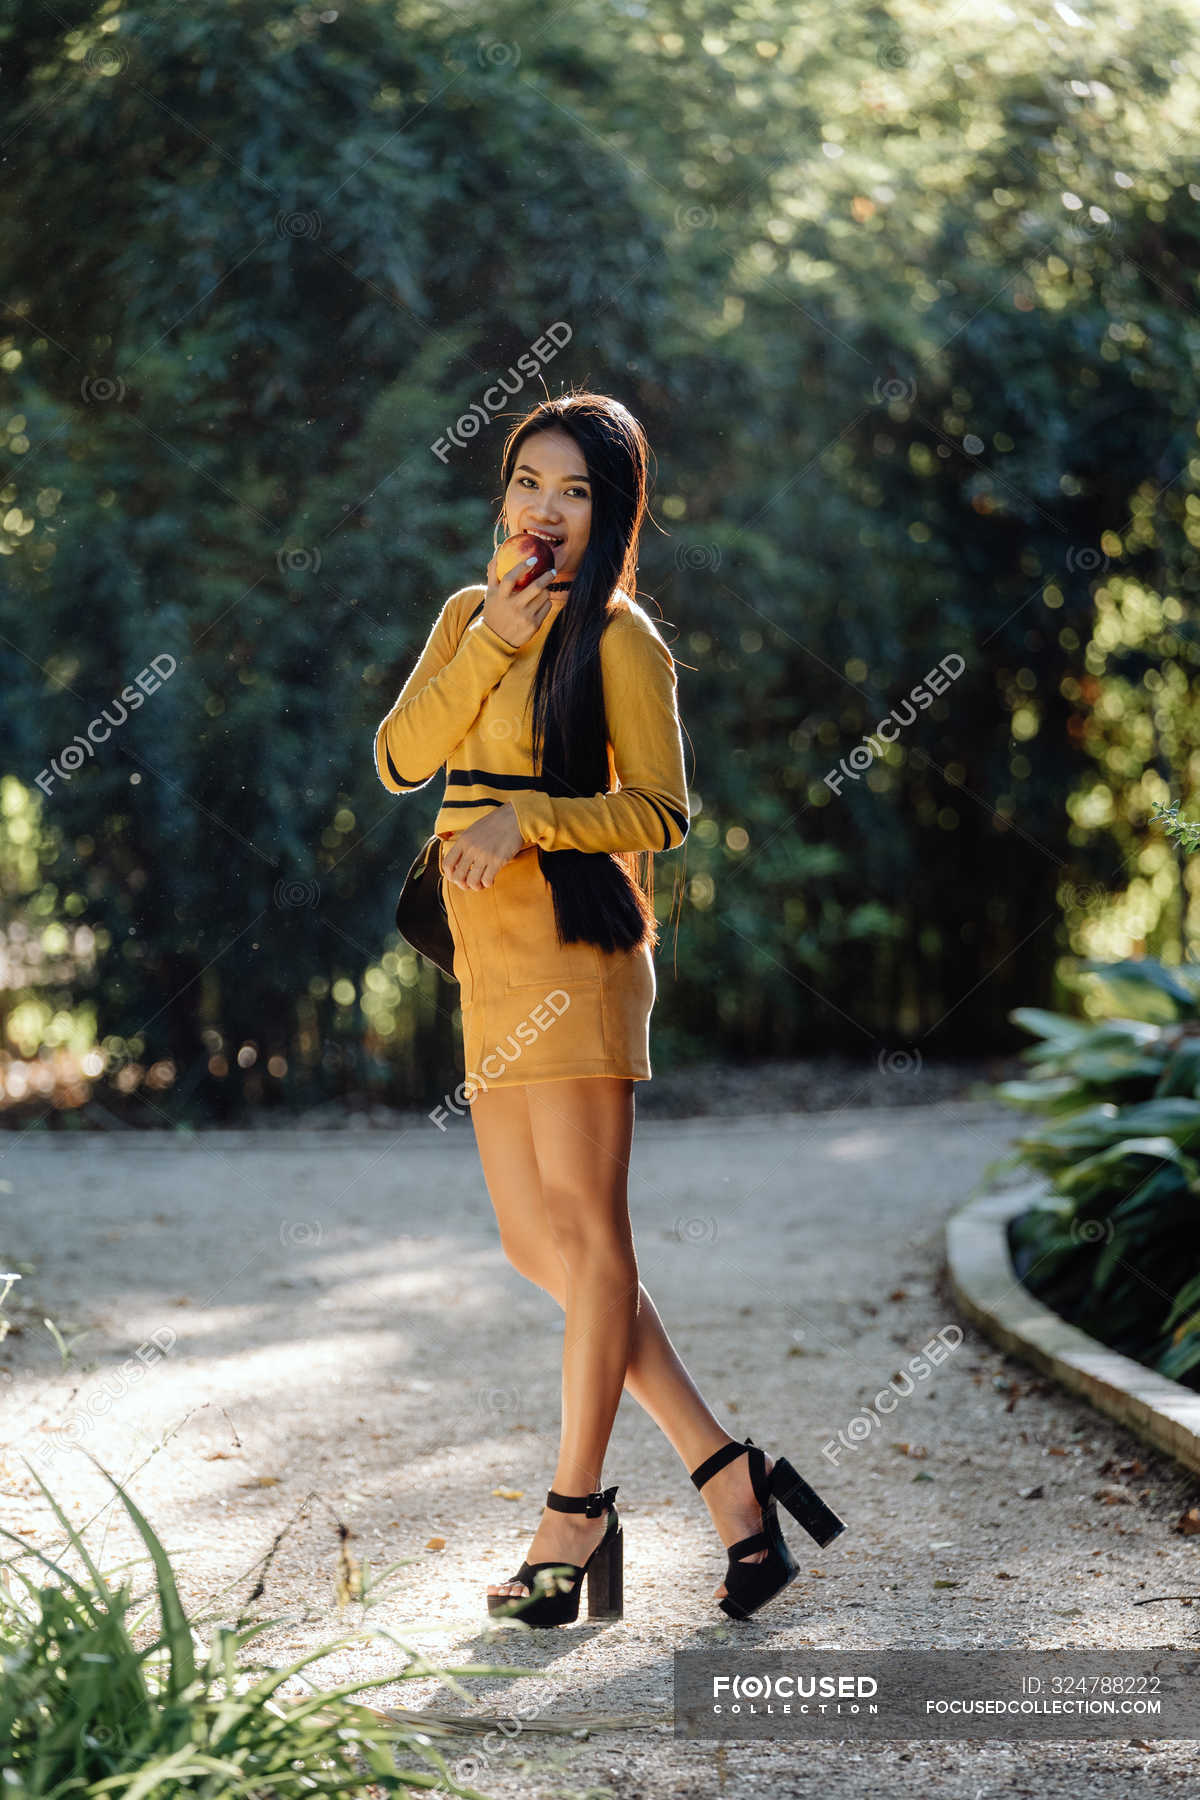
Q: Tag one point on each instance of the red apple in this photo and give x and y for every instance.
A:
(516, 550)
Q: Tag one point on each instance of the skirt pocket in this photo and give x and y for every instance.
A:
(529, 948)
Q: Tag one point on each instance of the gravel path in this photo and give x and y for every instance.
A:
(345, 1342)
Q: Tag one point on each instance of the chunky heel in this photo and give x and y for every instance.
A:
(803, 1502)
(555, 1587)
(750, 1585)
(605, 1578)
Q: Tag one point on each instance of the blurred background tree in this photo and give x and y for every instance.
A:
(906, 300)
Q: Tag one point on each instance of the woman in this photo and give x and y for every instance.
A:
(539, 700)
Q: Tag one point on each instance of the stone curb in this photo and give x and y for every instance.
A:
(985, 1284)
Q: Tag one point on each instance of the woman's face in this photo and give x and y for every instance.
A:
(550, 495)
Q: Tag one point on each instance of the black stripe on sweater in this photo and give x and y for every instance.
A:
(661, 808)
(485, 778)
(480, 777)
(396, 775)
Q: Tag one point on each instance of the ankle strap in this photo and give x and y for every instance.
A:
(592, 1504)
(718, 1460)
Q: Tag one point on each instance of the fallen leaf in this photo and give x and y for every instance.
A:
(509, 1493)
(1031, 1493)
(946, 1584)
(922, 1476)
(898, 1294)
(262, 1481)
(1003, 1575)
(1188, 1524)
(1113, 1496)
(436, 1543)
(1112, 1466)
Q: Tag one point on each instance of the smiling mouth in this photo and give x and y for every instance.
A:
(547, 538)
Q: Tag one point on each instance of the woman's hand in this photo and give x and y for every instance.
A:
(475, 857)
(515, 617)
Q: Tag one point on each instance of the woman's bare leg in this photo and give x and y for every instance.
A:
(535, 1144)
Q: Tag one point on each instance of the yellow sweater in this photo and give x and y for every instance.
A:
(464, 707)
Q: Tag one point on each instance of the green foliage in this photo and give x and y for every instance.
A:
(88, 1708)
(1187, 831)
(904, 306)
(1117, 1252)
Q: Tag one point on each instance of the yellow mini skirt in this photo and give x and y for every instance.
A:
(534, 1009)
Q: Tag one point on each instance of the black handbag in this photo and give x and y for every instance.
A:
(421, 910)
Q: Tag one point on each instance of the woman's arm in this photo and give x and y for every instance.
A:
(441, 698)
(650, 810)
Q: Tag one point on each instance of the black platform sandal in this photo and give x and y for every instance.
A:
(551, 1601)
(750, 1585)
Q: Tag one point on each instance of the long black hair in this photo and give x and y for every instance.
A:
(600, 897)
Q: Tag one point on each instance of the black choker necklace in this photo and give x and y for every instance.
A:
(552, 587)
